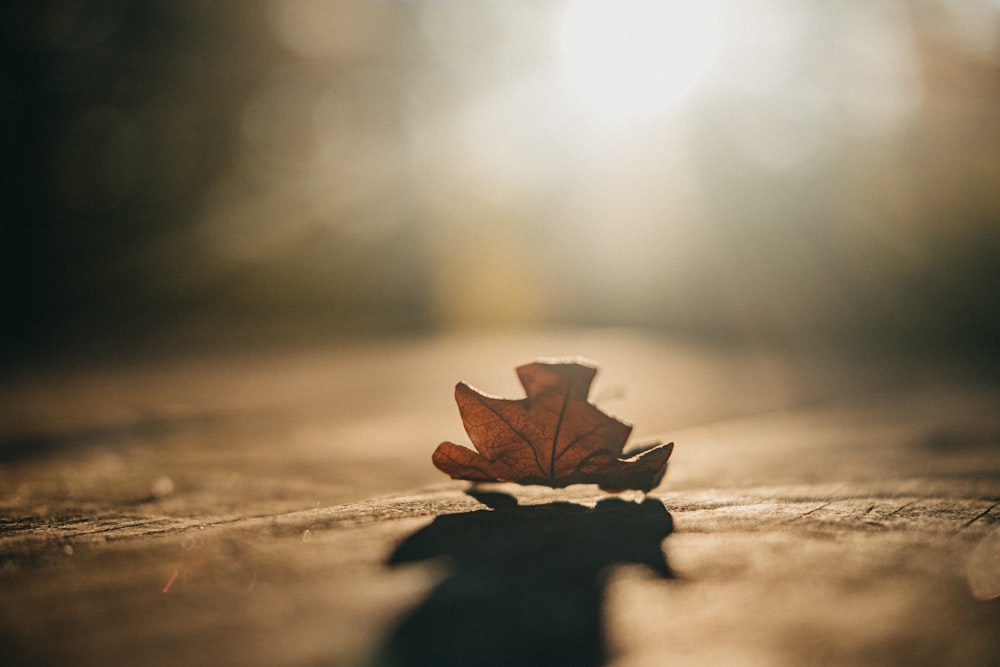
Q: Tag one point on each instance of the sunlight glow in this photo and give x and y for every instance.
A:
(637, 60)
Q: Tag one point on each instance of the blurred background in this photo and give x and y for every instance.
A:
(783, 171)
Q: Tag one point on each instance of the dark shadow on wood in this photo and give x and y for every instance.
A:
(526, 583)
(45, 445)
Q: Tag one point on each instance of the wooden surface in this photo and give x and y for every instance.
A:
(278, 507)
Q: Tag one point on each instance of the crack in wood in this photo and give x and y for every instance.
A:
(815, 509)
(980, 515)
(900, 508)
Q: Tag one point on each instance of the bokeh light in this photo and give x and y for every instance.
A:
(772, 169)
(634, 60)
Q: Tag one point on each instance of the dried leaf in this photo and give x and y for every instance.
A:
(554, 437)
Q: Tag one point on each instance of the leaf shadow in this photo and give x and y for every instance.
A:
(525, 584)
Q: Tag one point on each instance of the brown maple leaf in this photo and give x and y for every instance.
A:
(554, 437)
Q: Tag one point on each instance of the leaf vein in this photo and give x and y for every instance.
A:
(519, 434)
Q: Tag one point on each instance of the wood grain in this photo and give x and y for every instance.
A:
(253, 509)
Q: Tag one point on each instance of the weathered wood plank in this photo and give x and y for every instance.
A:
(251, 511)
